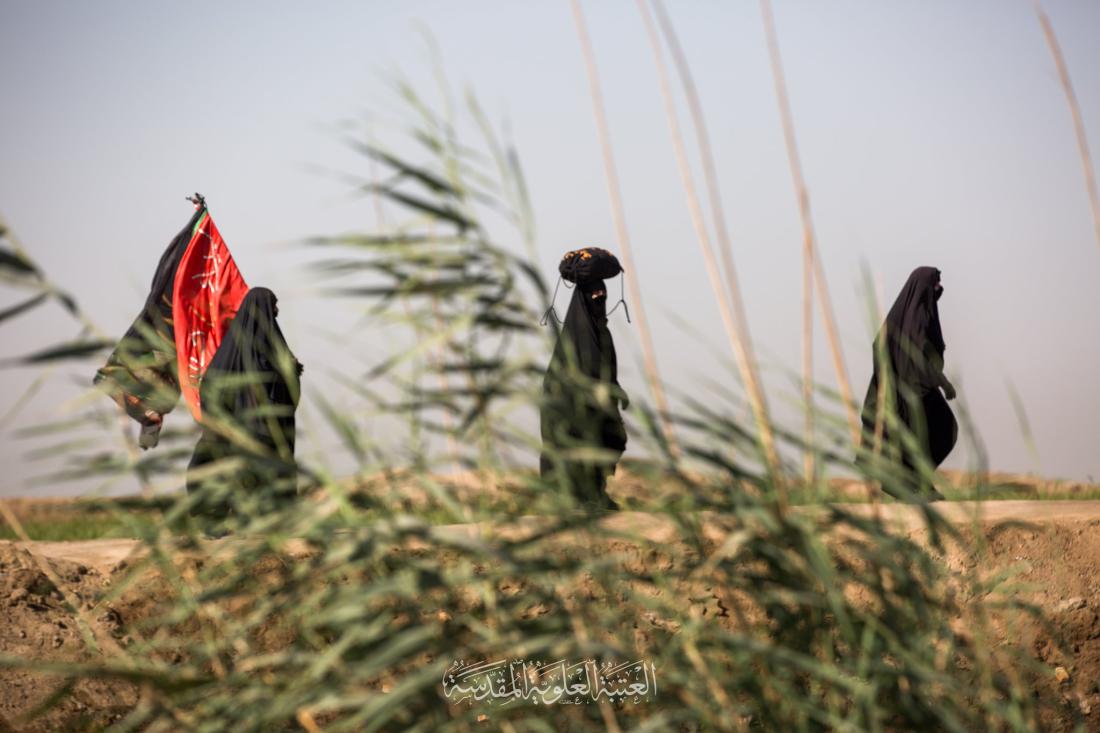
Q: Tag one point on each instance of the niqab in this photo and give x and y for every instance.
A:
(912, 331)
(581, 394)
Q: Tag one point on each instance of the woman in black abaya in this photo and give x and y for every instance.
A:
(581, 392)
(908, 372)
(140, 374)
(248, 395)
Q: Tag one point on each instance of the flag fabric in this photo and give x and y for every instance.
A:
(208, 291)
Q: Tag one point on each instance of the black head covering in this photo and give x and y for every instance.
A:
(589, 264)
(252, 381)
(912, 330)
(143, 363)
(585, 337)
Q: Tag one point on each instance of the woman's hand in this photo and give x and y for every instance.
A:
(948, 389)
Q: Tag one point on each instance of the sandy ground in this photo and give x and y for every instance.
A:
(1053, 546)
(104, 555)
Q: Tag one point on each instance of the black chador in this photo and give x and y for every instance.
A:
(248, 395)
(911, 346)
(140, 373)
(583, 435)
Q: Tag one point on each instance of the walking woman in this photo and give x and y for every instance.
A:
(581, 392)
(244, 461)
(908, 381)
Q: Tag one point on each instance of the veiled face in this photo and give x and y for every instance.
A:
(595, 298)
(923, 277)
(260, 298)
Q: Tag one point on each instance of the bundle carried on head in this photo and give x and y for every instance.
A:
(588, 265)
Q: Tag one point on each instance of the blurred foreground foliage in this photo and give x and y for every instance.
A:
(344, 611)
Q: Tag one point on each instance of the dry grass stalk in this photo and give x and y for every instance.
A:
(710, 178)
(743, 345)
(809, 240)
(308, 722)
(1078, 120)
(649, 355)
(735, 332)
(808, 358)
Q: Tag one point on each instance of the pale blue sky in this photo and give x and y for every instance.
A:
(932, 133)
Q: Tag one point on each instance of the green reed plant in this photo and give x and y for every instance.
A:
(344, 609)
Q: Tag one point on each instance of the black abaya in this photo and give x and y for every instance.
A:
(581, 398)
(913, 351)
(248, 395)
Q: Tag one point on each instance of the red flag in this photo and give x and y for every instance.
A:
(208, 291)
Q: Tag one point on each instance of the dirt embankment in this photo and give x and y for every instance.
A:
(36, 624)
(1051, 547)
